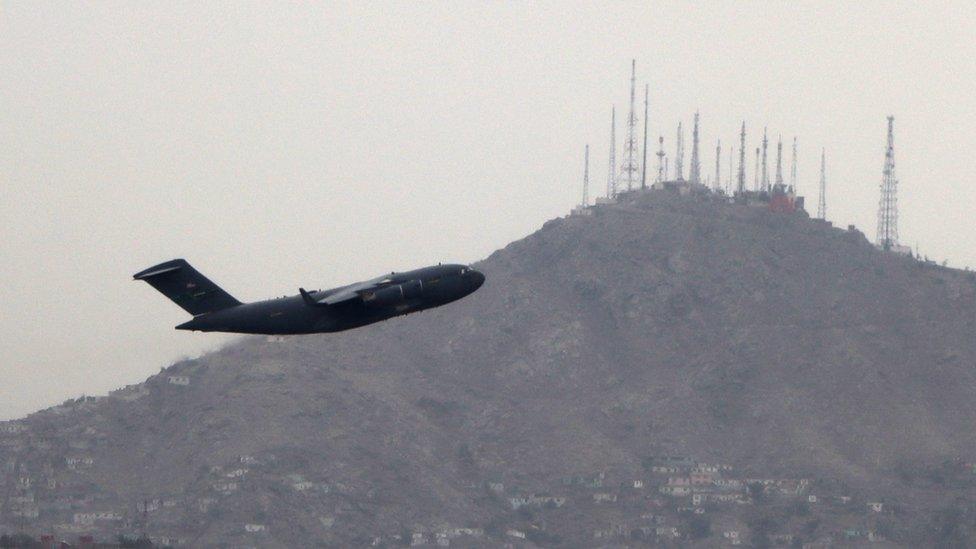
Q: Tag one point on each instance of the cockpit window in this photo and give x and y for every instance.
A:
(465, 270)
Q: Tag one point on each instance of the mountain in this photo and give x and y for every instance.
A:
(616, 372)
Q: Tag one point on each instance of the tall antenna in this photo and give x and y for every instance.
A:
(586, 177)
(793, 168)
(728, 186)
(718, 165)
(679, 156)
(822, 205)
(695, 175)
(611, 179)
(755, 181)
(779, 162)
(765, 172)
(660, 159)
(888, 206)
(644, 161)
(742, 159)
(629, 169)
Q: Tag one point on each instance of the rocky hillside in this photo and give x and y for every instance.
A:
(608, 359)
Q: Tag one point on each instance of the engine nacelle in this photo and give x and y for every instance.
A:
(412, 289)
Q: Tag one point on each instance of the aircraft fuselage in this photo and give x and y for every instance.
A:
(332, 310)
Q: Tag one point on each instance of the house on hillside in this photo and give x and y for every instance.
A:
(701, 478)
(604, 497)
(732, 536)
(168, 541)
(705, 468)
(518, 502)
(12, 428)
(729, 485)
(225, 486)
(204, 504)
(89, 518)
(612, 531)
(665, 469)
(75, 463)
(179, 380)
(675, 490)
(26, 511)
(667, 532)
(595, 481)
(149, 506)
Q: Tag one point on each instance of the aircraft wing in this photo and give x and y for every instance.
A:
(348, 293)
(339, 297)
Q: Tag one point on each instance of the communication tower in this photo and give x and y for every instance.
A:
(679, 156)
(765, 171)
(755, 181)
(586, 177)
(742, 159)
(629, 170)
(779, 162)
(611, 179)
(793, 168)
(644, 160)
(718, 166)
(728, 185)
(660, 159)
(695, 175)
(888, 205)
(822, 204)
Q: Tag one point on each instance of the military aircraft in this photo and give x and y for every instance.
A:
(359, 304)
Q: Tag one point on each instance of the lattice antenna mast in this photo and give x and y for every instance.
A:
(629, 170)
(660, 159)
(779, 162)
(679, 156)
(742, 159)
(888, 206)
(755, 181)
(695, 175)
(644, 160)
(611, 173)
(822, 204)
(793, 168)
(586, 177)
(718, 165)
(765, 171)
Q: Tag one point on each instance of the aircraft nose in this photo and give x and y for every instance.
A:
(477, 278)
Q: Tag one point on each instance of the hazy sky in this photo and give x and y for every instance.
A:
(279, 145)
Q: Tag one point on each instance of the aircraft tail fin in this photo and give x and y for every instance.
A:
(186, 287)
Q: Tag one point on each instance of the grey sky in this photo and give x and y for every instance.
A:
(276, 145)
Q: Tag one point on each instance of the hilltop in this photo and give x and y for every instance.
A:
(608, 359)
